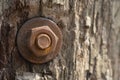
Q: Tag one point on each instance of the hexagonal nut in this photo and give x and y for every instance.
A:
(32, 42)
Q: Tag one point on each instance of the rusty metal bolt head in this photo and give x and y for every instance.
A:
(39, 40)
(36, 47)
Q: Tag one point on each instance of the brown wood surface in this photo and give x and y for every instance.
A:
(91, 40)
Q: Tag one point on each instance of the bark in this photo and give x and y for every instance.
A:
(91, 40)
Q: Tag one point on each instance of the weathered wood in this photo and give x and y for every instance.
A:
(91, 40)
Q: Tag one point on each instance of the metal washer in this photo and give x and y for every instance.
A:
(22, 39)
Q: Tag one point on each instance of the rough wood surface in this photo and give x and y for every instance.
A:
(91, 40)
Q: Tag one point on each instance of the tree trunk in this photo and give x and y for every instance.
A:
(91, 40)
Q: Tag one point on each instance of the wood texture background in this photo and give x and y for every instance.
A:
(91, 40)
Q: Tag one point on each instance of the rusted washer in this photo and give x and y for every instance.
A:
(39, 40)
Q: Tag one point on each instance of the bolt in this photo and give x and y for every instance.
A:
(43, 41)
(40, 43)
(39, 40)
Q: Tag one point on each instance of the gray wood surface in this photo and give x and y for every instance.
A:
(91, 40)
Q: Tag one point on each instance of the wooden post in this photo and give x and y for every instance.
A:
(91, 39)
